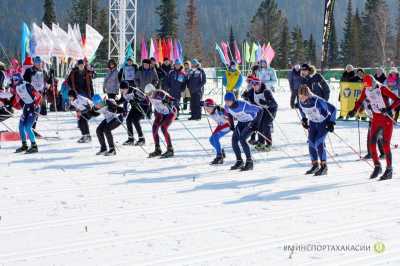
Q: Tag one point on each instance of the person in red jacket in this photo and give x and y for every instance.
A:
(381, 101)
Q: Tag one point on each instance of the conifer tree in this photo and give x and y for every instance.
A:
(193, 37)
(168, 19)
(49, 16)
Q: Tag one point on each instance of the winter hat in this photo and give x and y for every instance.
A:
(178, 62)
(146, 61)
(195, 62)
(129, 58)
(209, 103)
(368, 81)
(37, 60)
(80, 62)
(28, 61)
(72, 93)
(230, 96)
(306, 67)
(124, 85)
(255, 80)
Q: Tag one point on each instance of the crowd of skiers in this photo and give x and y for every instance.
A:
(140, 92)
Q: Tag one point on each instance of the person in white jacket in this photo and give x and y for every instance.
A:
(267, 75)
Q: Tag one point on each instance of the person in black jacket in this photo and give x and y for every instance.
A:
(176, 83)
(315, 81)
(380, 75)
(294, 83)
(349, 75)
(166, 68)
(140, 106)
(261, 96)
(159, 71)
(196, 81)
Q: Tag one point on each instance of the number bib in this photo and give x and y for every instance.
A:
(375, 99)
(38, 81)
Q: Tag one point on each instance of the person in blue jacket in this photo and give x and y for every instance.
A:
(318, 117)
(248, 117)
(175, 83)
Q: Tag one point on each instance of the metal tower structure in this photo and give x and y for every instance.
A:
(122, 28)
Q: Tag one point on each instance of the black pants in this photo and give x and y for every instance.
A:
(240, 135)
(111, 95)
(104, 130)
(265, 127)
(134, 118)
(83, 122)
(195, 107)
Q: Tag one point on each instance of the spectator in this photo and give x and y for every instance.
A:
(80, 80)
(267, 75)
(380, 75)
(294, 83)
(111, 83)
(349, 75)
(146, 75)
(176, 83)
(186, 94)
(393, 80)
(360, 74)
(232, 79)
(166, 67)
(159, 71)
(127, 72)
(314, 81)
(196, 81)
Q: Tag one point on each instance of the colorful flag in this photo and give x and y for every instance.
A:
(26, 35)
(220, 54)
(180, 48)
(152, 50)
(238, 57)
(259, 52)
(253, 53)
(224, 46)
(143, 50)
(269, 53)
(171, 49)
(247, 54)
(160, 52)
(92, 43)
(74, 48)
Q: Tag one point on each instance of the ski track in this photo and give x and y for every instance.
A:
(65, 206)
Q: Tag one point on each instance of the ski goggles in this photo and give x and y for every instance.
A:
(255, 82)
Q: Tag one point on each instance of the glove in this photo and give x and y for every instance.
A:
(263, 102)
(352, 113)
(201, 103)
(304, 123)
(330, 126)
(387, 111)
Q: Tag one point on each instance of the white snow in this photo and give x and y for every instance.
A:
(66, 206)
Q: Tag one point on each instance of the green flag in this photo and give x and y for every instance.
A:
(247, 55)
(253, 53)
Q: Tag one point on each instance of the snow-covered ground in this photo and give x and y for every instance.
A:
(66, 206)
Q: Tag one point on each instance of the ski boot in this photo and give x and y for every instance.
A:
(156, 152)
(237, 165)
(248, 166)
(322, 171)
(268, 148)
(140, 142)
(387, 174)
(23, 148)
(314, 168)
(111, 152)
(102, 151)
(376, 172)
(32, 149)
(259, 147)
(85, 139)
(168, 154)
(129, 142)
(218, 160)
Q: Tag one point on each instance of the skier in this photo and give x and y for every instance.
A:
(112, 119)
(29, 99)
(318, 116)
(84, 112)
(165, 114)
(217, 113)
(378, 99)
(140, 106)
(248, 117)
(5, 104)
(261, 96)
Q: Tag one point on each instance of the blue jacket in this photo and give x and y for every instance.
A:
(196, 80)
(243, 111)
(176, 83)
(322, 107)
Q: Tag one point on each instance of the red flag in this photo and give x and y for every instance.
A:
(238, 57)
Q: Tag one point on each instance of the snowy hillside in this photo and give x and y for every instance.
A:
(66, 206)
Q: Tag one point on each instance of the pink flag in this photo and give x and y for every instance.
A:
(176, 50)
(238, 57)
(156, 52)
(269, 53)
(224, 46)
(143, 48)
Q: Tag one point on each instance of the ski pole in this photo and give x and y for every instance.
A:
(282, 150)
(351, 148)
(279, 127)
(359, 136)
(194, 137)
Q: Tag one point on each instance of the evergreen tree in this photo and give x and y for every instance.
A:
(85, 12)
(346, 52)
(266, 24)
(333, 47)
(168, 19)
(102, 28)
(49, 16)
(397, 45)
(298, 49)
(311, 50)
(193, 39)
(282, 58)
(356, 39)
